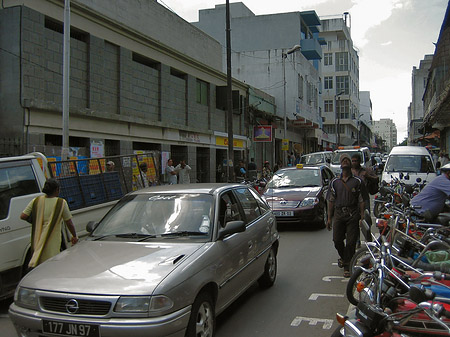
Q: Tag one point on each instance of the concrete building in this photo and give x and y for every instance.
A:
(415, 110)
(141, 79)
(436, 100)
(340, 74)
(386, 129)
(279, 54)
(365, 135)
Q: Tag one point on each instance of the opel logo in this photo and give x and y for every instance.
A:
(72, 306)
(284, 202)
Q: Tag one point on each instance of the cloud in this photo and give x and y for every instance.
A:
(366, 14)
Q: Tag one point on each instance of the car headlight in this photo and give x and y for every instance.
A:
(309, 202)
(25, 297)
(143, 304)
(161, 302)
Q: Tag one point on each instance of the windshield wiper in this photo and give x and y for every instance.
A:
(183, 233)
(311, 185)
(134, 235)
(140, 236)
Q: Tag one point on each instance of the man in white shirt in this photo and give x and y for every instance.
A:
(171, 172)
(184, 171)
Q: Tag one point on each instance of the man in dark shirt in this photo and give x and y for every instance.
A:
(345, 209)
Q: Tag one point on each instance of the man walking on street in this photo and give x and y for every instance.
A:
(345, 209)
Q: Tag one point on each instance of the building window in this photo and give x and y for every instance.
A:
(342, 85)
(328, 105)
(300, 86)
(343, 109)
(328, 82)
(342, 61)
(328, 59)
(202, 92)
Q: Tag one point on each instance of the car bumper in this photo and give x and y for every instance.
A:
(304, 215)
(29, 323)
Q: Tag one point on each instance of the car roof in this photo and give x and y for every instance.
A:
(202, 188)
(305, 167)
(320, 152)
(414, 150)
(352, 149)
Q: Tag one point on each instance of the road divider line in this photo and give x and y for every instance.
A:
(327, 323)
(315, 296)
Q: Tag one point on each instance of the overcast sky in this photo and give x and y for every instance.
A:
(392, 36)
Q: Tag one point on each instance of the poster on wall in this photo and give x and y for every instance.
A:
(262, 133)
(97, 151)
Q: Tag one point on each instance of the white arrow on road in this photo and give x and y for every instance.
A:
(315, 296)
(327, 323)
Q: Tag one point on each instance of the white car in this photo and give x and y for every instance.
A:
(362, 151)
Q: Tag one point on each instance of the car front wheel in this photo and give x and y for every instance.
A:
(270, 270)
(203, 317)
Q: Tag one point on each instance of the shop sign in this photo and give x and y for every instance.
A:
(262, 133)
(223, 141)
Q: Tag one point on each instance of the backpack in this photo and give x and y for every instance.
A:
(372, 184)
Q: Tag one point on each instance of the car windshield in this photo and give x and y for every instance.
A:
(337, 155)
(409, 163)
(312, 159)
(295, 178)
(157, 215)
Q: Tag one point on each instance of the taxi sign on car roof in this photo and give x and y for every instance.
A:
(299, 166)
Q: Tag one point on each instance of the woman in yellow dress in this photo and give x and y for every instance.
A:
(47, 213)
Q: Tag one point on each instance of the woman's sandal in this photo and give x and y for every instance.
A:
(346, 273)
(340, 263)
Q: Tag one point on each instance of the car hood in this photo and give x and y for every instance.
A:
(290, 194)
(113, 268)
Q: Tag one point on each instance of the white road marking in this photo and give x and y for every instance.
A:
(315, 296)
(327, 323)
(329, 278)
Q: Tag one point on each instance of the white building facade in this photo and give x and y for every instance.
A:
(340, 76)
(279, 54)
(387, 130)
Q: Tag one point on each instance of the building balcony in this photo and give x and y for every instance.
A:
(311, 49)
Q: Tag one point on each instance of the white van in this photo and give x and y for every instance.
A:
(364, 152)
(408, 163)
(21, 179)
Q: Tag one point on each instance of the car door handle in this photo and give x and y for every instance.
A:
(250, 244)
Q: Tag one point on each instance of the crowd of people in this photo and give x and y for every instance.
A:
(347, 199)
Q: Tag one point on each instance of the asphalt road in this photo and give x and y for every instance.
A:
(308, 292)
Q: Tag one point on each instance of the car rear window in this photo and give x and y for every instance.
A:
(337, 155)
(15, 181)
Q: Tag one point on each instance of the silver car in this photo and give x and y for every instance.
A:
(164, 261)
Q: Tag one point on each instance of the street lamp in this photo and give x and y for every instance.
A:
(284, 56)
(337, 128)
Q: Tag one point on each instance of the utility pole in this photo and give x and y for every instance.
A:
(229, 96)
(66, 82)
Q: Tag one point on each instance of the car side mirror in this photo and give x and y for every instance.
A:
(232, 227)
(91, 226)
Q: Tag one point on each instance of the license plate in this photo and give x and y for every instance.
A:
(283, 213)
(70, 329)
